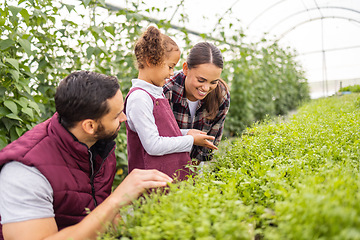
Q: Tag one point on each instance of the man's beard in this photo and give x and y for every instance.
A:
(101, 134)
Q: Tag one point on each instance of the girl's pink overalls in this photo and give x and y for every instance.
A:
(173, 164)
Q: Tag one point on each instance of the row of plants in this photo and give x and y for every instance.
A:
(351, 88)
(264, 82)
(42, 41)
(293, 179)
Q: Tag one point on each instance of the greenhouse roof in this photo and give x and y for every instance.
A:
(325, 34)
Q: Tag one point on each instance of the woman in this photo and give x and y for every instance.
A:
(199, 98)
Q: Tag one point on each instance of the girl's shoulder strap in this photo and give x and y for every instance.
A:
(135, 89)
(138, 88)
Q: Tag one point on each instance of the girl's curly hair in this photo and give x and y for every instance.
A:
(152, 47)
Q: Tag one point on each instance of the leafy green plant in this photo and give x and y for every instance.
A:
(324, 206)
(352, 88)
(282, 179)
(191, 211)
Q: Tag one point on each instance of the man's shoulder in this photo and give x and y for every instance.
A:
(20, 169)
(24, 179)
(25, 193)
(26, 143)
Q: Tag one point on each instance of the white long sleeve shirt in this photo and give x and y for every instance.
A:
(140, 118)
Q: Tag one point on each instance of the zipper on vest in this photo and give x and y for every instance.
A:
(94, 174)
(92, 177)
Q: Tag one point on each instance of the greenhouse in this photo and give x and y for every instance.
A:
(179, 119)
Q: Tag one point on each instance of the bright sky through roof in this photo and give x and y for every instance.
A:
(326, 34)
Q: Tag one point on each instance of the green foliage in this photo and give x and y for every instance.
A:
(19, 110)
(293, 179)
(263, 82)
(352, 88)
(325, 206)
(197, 210)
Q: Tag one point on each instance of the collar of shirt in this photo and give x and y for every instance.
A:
(178, 82)
(155, 91)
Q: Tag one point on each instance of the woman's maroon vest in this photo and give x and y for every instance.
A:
(173, 164)
(65, 162)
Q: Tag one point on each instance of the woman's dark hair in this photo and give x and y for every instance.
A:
(213, 100)
(83, 95)
(203, 53)
(152, 47)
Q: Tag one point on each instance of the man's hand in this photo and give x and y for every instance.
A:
(137, 182)
(201, 139)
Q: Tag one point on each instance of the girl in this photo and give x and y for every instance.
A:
(199, 98)
(154, 139)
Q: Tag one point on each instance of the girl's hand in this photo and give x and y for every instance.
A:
(192, 132)
(201, 139)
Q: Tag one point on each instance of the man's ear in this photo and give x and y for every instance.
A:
(89, 126)
(185, 68)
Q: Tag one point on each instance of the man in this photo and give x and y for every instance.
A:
(55, 173)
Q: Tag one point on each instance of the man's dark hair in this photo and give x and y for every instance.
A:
(82, 95)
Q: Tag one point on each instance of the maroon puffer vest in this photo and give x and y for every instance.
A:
(65, 162)
(174, 164)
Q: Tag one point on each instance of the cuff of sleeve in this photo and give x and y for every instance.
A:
(190, 140)
(184, 131)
